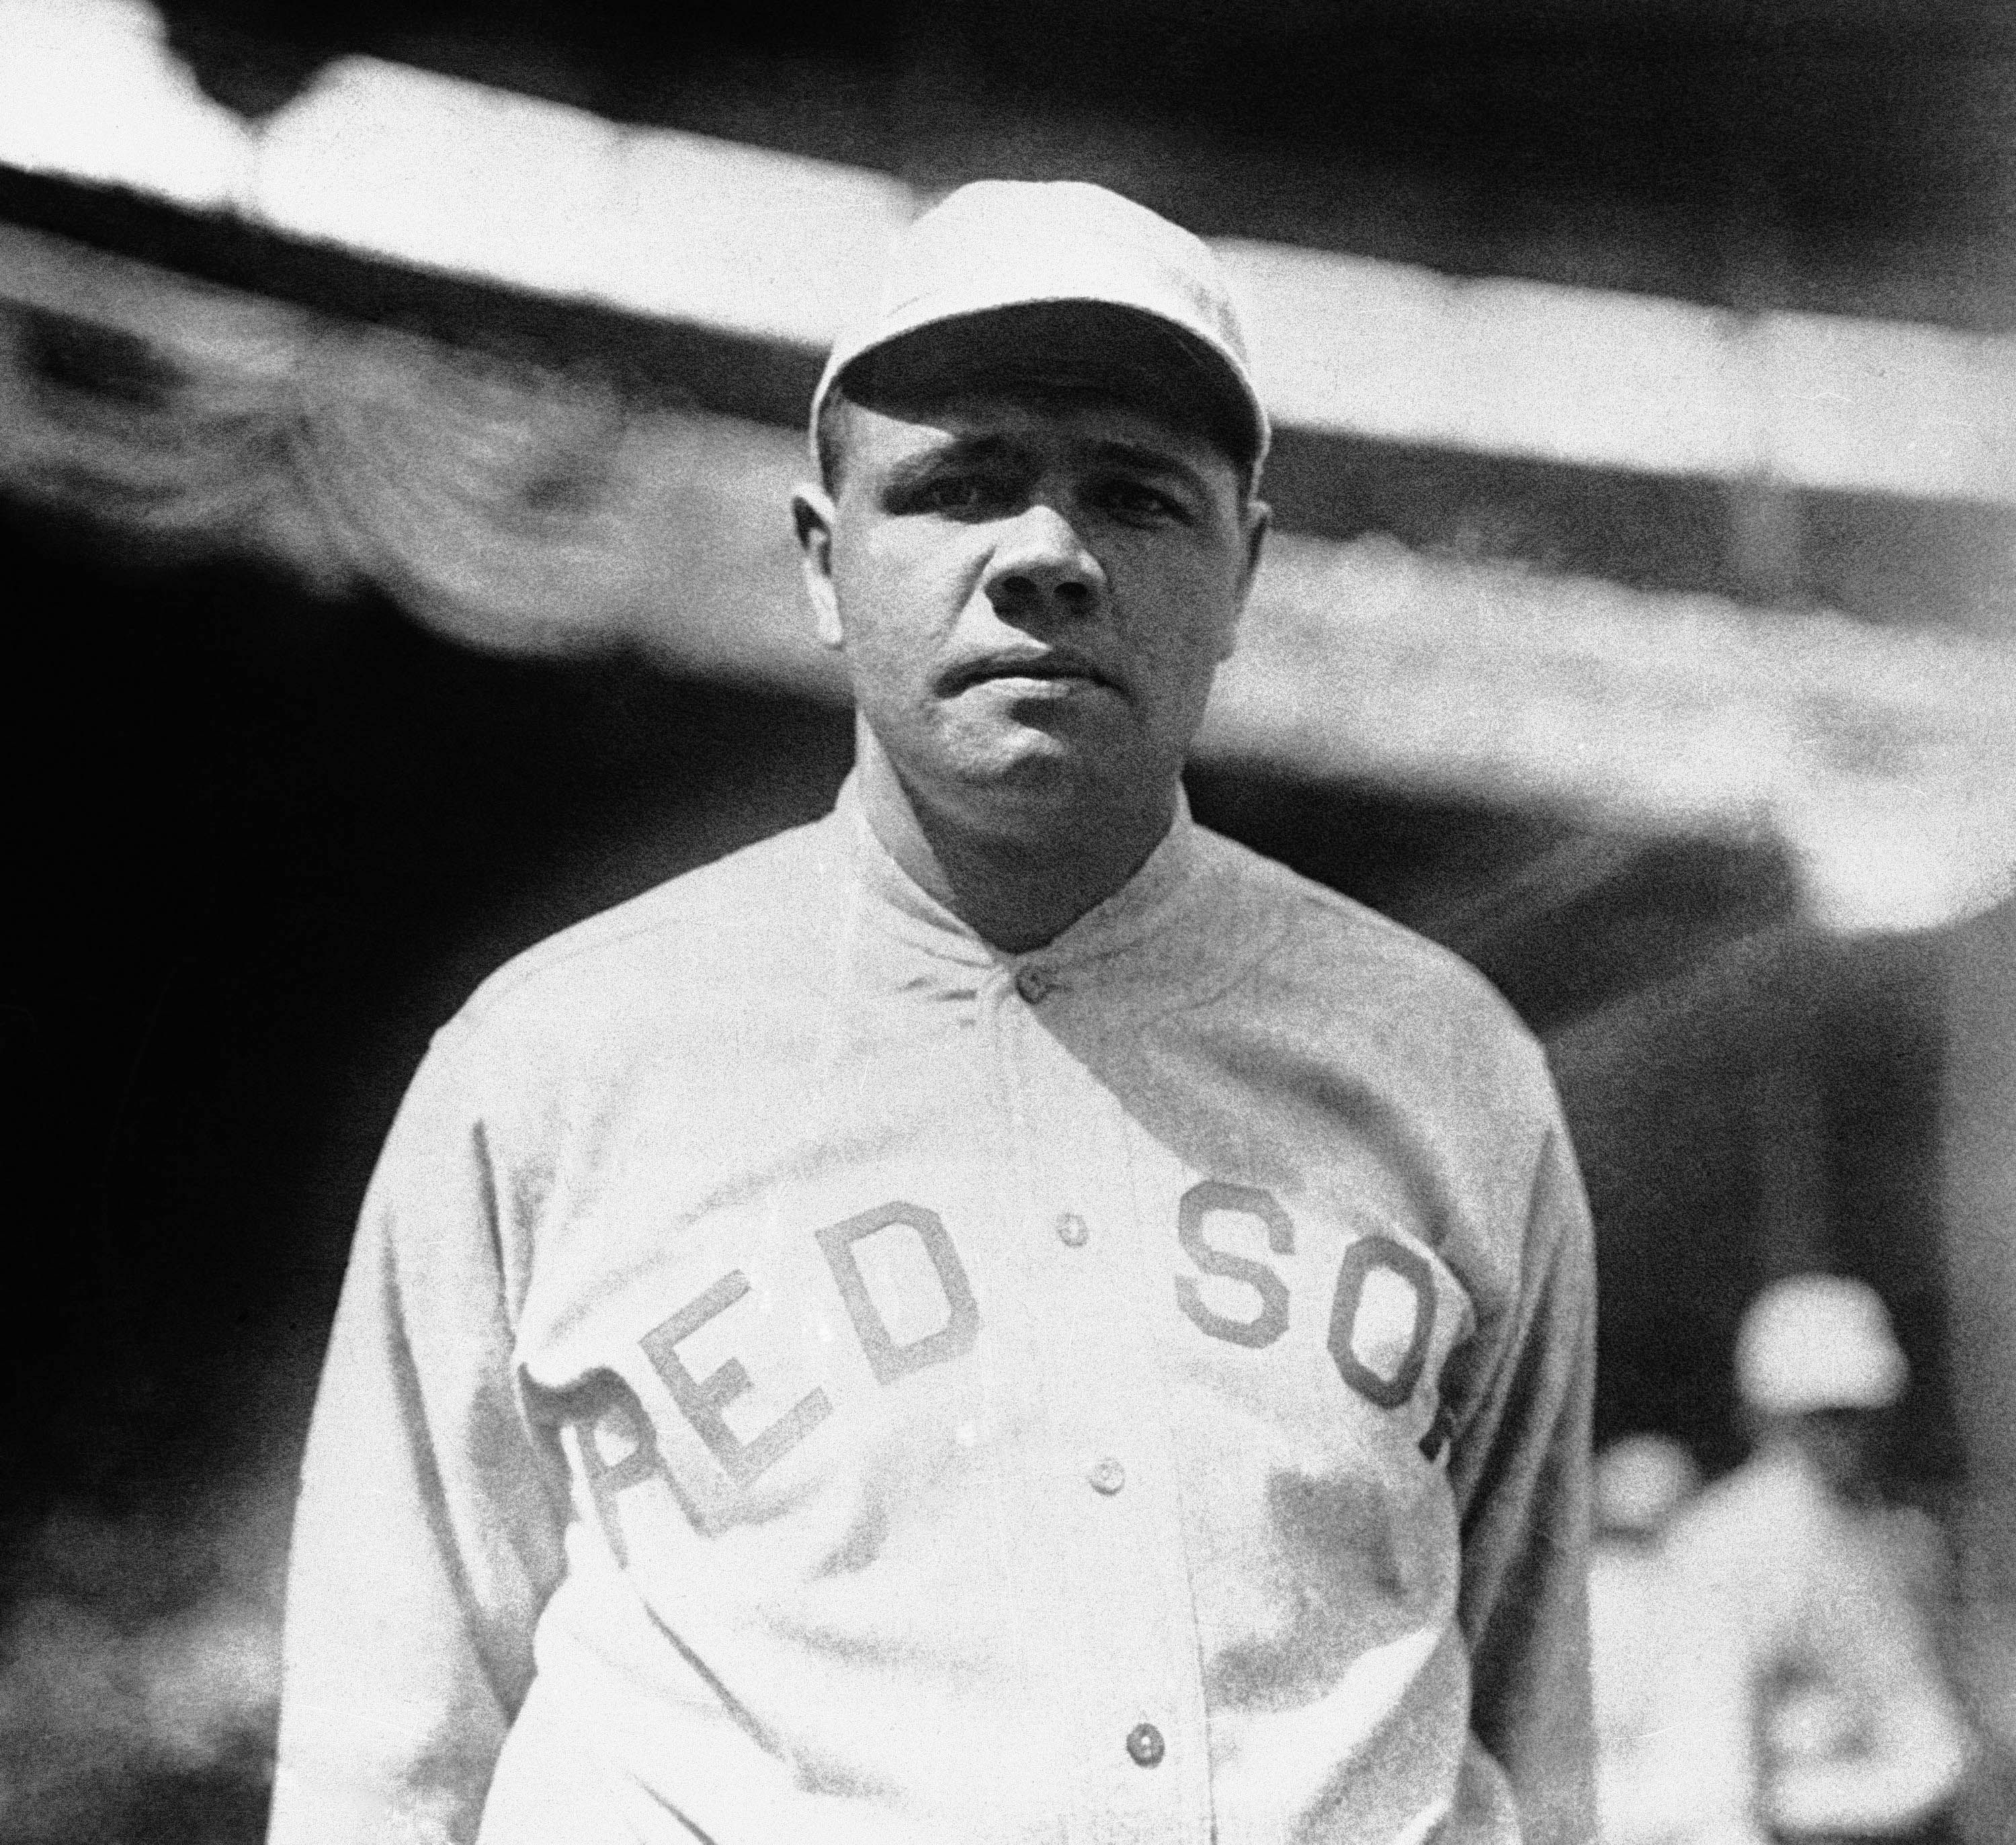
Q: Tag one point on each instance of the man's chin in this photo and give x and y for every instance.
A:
(995, 754)
(1029, 767)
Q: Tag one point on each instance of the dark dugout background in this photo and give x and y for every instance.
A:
(266, 840)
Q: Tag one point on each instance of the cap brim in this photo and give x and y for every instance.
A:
(1116, 351)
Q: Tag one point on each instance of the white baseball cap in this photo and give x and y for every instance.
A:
(1058, 271)
(1818, 1342)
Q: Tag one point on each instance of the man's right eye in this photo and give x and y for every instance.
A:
(954, 495)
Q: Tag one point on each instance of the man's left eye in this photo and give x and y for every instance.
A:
(1136, 501)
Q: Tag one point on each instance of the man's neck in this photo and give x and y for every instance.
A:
(1019, 884)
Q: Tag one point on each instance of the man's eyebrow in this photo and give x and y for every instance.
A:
(914, 471)
(1147, 458)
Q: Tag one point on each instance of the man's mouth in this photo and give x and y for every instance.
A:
(1059, 666)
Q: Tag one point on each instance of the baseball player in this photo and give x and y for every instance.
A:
(1000, 1315)
(1831, 1662)
(1674, 1752)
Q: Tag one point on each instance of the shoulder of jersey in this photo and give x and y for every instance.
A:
(1374, 963)
(665, 935)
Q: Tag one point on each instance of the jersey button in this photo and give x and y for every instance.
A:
(1072, 1230)
(1144, 1743)
(1032, 984)
(1107, 1476)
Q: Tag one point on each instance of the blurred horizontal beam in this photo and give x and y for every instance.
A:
(522, 510)
(1606, 380)
(439, 174)
(1922, 562)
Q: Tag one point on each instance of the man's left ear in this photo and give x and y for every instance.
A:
(1257, 520)
(812, 514)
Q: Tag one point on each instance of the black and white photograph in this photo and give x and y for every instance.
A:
(1041, 924)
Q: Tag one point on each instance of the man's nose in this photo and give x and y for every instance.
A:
(1041, 566)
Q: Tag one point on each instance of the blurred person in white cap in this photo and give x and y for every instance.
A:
(999, 1316)
(1817, 1589)
(1673, 1748)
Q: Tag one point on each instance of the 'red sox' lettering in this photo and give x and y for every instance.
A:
(1382, 1317)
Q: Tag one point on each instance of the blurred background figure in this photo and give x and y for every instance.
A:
(1829, 1600)
(1673, 1761)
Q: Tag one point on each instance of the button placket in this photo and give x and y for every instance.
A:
(1123, 1602)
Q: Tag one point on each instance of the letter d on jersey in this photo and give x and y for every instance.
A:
(886, 1358)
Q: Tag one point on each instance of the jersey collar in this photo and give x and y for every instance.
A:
(897, 905)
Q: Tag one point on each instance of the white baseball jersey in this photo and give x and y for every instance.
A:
(806, 1376)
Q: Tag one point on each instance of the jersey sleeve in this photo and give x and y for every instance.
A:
(1520, 1467)
(428, 1532)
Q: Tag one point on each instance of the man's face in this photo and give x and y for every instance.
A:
(1031, 596)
